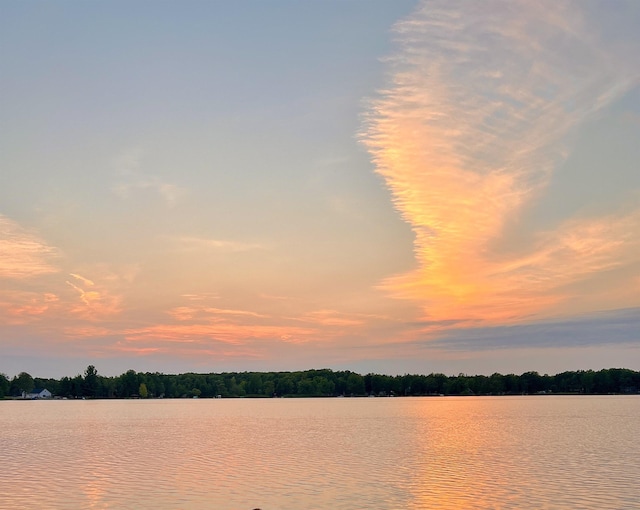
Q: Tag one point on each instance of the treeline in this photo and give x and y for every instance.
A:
(320, 383)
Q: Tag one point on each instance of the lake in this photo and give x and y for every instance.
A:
(547, 452)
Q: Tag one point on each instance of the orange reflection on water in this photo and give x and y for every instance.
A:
(339, 454)
(455, 464)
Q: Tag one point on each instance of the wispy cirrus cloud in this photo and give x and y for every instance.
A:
(331, 318)
(23, 254)
(192, 243)
(184, 313)
(467, 135)
(204, 328)
(201, 297)
(171, 193)
(96, 302)
(35, 289)
(54, 301)
(202, 350)
(227, 332)
(132, 178)
(22, 307)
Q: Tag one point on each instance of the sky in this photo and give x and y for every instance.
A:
(378, 186)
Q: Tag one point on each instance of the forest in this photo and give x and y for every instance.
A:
(320, 383)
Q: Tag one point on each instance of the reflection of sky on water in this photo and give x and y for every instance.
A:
(287, 454)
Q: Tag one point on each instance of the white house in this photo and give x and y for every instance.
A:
(37, 393)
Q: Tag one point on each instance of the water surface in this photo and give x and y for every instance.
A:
(548, 452)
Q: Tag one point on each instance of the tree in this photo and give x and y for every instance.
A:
(285, 385)
(307, 386)
(355, 384)
(128, 384)
(76, 386)
(324, 386)
(91, 382)
(531, 382)
(496, 384)
(254, 384)
(24, 382)
(4, 385)
(269, 388)
(142, 390)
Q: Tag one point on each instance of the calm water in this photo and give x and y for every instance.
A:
(277, 454)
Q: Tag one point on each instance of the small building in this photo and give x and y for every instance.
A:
(37, 393)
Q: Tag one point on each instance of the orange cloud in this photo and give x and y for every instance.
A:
(230, 333)
(200, 327)
(197, 323)
(210, 314)
(331, 318)
(87, 331)
(183, 313)
(466, 137)
(200, 297)
(220, 311)
(204, 351)
(97, 302)
(25, 307)
(23, 254)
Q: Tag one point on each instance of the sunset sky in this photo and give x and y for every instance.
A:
(379, 186)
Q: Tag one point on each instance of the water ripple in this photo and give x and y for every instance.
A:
(413, 453)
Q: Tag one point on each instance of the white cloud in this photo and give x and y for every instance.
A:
(133, 178)
(202, 243)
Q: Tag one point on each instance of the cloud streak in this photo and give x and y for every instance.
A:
(191, 243)
(132, 179)
(482, 98)
(96, 303)
(23, 254)
(26, 307)
(618, 327)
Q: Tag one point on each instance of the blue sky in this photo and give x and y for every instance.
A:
(389, 186)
